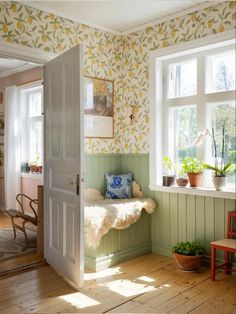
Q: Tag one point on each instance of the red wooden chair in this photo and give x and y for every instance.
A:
(227, 245)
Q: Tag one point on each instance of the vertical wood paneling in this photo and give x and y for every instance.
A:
(200, 219)
(182, 217)
(178, 217)
(173, 218)
(209, 222)
(166, 218)
(191, 218)
(219, 204)
(157, 220)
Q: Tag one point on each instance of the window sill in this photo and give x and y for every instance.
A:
(229, 194)
(32, 175)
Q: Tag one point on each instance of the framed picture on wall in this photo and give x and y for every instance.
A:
(98, 108)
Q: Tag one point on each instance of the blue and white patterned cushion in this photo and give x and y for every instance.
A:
(118, 186)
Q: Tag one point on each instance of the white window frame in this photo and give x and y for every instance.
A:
(25, 92)
(158, 112)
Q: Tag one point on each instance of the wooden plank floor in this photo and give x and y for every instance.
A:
(15, 263)
(150, 284)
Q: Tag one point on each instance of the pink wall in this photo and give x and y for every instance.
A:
(21, 78)
(29, 186)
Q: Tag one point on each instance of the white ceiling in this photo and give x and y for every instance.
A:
(12, 66)
(118, 15)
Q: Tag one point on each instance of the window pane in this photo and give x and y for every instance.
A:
(35, 105)
(224, 115)
(36, 142)
(183, 131)
(221, 72)
(182, 79)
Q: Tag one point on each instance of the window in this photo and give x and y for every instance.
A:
(32, 134)
(193, 90)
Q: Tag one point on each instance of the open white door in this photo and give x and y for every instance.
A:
(63, 129)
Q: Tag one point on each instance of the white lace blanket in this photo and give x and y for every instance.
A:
(102, 215)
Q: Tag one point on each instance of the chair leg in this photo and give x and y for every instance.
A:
(26, 238)
(213, 263)
(227, 263)
(14, 228)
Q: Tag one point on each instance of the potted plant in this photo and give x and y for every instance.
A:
(182, 179)
(194, 168)
(220, 168)
(188, 255)
(168, 177)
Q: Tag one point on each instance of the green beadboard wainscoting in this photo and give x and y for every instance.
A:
(118, 245)
(179, 217)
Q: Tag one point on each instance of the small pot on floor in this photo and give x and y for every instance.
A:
(219, 182)
(188, 263)
(168, 180)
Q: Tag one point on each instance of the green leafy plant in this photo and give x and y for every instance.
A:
(221, 171)
(168, 165)
(192, 165)
(188, 248)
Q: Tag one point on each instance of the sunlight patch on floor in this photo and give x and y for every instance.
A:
(102, 274)
(79, 300)
(146, 279)
(127, 288)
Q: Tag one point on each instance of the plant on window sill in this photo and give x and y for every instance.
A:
(194, 169)
(168, 177)
(221, 169)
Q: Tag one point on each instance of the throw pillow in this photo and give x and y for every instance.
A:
(118, 186)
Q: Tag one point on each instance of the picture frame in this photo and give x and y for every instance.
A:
(98, 108)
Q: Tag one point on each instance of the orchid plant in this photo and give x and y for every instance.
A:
(220, 168)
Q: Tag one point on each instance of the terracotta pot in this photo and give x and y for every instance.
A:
(219, 183)
(195, 179)
(32, 168)
(188, 263)
(168, 180)
(182, 182)
(40, 169)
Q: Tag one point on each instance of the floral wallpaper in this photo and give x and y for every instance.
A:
(137, 46)
(124, 59)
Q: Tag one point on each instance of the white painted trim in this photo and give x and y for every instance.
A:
(16, 70)
(43, 7)
(172, 16)
(157, 58)
(194, 191)
(194, 45)
(35, 55)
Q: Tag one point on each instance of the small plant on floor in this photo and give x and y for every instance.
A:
(188, 255)
(168, 177)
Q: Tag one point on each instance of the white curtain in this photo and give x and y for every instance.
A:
(12, 146)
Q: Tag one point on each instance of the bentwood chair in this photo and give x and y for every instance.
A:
(227, 245)
(20, 218)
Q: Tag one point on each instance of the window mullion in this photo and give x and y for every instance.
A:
(201, 106)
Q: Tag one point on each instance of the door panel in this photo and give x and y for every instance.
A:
(63, 164)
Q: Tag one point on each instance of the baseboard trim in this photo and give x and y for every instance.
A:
(101, 263)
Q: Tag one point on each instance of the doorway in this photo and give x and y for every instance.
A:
(63, 156)
(21, 88)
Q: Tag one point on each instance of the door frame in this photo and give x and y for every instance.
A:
(38, 56)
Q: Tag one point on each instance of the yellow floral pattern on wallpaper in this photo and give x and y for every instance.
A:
(124, 59)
